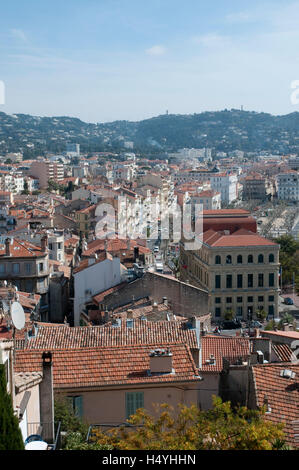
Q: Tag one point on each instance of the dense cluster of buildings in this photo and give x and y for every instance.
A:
(121, 312)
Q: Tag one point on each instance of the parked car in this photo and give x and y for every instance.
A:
(156, 249)
(231, 325)
(288, 301)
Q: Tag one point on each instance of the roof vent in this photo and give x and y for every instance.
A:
(211, 360)
(130, 323)
(287, 374)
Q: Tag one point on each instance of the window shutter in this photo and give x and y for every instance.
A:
(78, 405)
(134, 401)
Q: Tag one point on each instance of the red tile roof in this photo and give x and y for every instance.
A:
(220, 347)
(283, 352)
(282, 395)
(143, 332)
(240, 238)
(283, 334)
(22, 249)
(99, 367)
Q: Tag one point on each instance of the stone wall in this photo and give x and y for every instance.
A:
(184, 299)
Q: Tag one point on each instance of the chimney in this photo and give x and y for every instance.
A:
(128, 244)
(136, 253)
(165, 301)
(7, 247)
(44, 243)
(47, 396)
(106, 316)
(129, 314)
(260, 357)
(160, 361)
(155, 306)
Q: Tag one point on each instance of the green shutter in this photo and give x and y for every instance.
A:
(78, 405)
(134, 400)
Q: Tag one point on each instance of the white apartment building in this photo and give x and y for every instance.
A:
(95, 277)
(226, 185)
(288, 186)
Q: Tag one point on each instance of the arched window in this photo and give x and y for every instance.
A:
(260, 258)
(240, 259)
(271, 258)
(250, 259)
(217, 259)
(228, 259)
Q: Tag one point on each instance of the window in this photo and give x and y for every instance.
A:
(2, 268)
(239, 300)
(228, 259)
(250, 280)
(239, 311)
(271, 298)
(41, 267)
(16, 268)
(229, 300)
(218, 281)
(218, 259)
(134, 401)
(218, 300)
(250, 300)
(76, 404)
(260, 258)
(261, 280)
(240, 281)
(28, 268)
(50, 246)
(271, 310)
(240, 259)
(250, 259)
(271, 258)
(229, 281)
(271, 280)
(217, 312)
(260, 298)
(29, 286)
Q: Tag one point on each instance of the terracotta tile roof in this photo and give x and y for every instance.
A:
(240, 238)
(282, 395)
(85, 263)
(100, 297)
(115, 245)
(283, 352)
(283, 334)
(98, 367)
(22, 249)
(143, 332)
(225, 212)
(220, 347)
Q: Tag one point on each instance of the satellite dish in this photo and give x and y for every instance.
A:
(17, 315)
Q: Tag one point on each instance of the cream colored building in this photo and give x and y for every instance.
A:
(240, 271)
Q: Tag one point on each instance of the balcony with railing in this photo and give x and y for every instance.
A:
(46, 432)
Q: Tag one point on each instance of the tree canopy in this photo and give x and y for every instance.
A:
(10, 433)
(220, 428)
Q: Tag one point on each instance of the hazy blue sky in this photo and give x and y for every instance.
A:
(102, 60)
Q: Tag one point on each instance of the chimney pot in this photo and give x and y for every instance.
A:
(7, 247)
